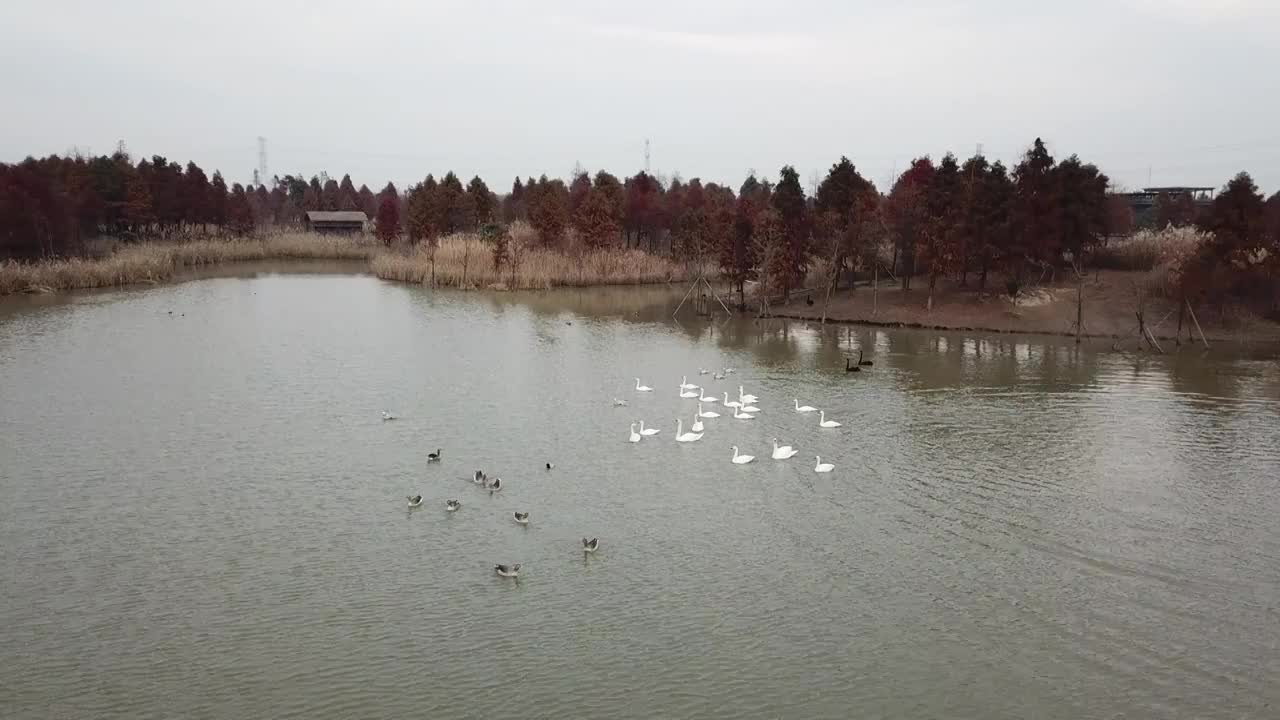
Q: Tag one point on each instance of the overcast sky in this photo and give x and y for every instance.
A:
(1180, 91)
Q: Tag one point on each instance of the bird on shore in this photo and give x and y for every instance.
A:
(415, 500)
(741, 459)
(824, 422)
(821, 466)
(434, 457)
(509, 571)
(452, 505)
(521, 517)
(590, 546)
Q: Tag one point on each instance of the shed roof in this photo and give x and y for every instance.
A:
(345, 216)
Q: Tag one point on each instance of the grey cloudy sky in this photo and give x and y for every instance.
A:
(1183, 91)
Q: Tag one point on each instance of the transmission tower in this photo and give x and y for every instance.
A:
(646, 156)
(262, 159)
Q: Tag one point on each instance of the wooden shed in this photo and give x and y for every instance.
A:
(347, 222)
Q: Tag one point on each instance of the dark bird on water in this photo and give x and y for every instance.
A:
(590, 545)
(864, 363)
(808, 300)
(434, 457)
(550, 465)
(415, 501)
(851, 368)
(521, 517)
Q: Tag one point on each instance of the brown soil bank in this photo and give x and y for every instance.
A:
(1110, 304)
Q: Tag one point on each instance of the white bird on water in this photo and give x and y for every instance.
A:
(821, 466)
(685, 437)
(521, 517)
(703, 371)
(590, 546)
(688, 394)
(730, 403)
(511, 571)
(697, 424)
(387, 416)
(415, 500)
(635, 436)
(619, 403)
(824, 422)
(737, 415)
(741, 459)
(642, 388)
(746, 398)
(685, 384)
(707, 413)
(647, 432)
(750, 409)
(784, 452)
(804, 408)
(708, 400)
(453, 505)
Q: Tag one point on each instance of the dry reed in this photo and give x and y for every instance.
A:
(466, 261)
(155, 262)
(1147, 249)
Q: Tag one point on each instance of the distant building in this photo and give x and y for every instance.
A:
(1145, 200)
(345, 222)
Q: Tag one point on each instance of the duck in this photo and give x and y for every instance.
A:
(707, 413)
(415, 500)
(434, 457)
(804, 408)
(746, 397)
(479, 477)
(684, 436)
(741, 459)
(642, 388)
(824, 422)
(697, 425)
(851, 368)
(452, 505)
(685, 384)
(702, 397)
(635, 436)
(730, 403)
(387, 416)
(742, 416)
(619, 403)
(688, 394)
(822, 467)
(648, 432)
(784, 452)
(591, 545)
(521, 517)
(511, 571)
(495, 485)
(863, 363)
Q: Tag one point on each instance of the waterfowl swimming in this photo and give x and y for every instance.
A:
(635, 436)
(821, 466)
(590, 545)
(730, 403)
(824, 422)
(434, 457)
(703, 371)
(864, 363)
(851, 368)
(495, 485)
(479, 478)
(684, 436)
(729, 371)
(718, 376)
(415, 500)
(550, 465)
(521, 517)
(508, 570)
(746, 398)
(647, 432)
(784, 452)
(619, 403)
(685, 384)
(707, 413)
(703, 397)
(741, 459)
(750, 409)
(804, 408)
(642, 388)
(742, 416)
(697, 424)
(688, 394)
(452, 505)
(387, 416)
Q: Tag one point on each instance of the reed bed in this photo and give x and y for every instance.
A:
(1148, 249)
(466, 261)
(159, 262)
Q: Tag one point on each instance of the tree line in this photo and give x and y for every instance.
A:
(950, 218)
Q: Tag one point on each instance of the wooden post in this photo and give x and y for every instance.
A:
(1197, 322)
(1079, 305)
(1182, 310)
(875, 289)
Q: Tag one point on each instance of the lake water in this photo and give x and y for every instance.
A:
(203, 515)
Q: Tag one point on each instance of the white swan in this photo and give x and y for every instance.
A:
(521, 517)
(784, 452)
(804, 408)
(591, 545)
(452, 505)
(415, 500)
(742, 416)
(642, 388)
(750, 409)
(685, 384)
(741, 459)
(684, 436)
(746, 397)
(511, 571)
(479, 478)
(708, 400)
(821, 466)
(824, 422)
(697, 424)
(703, 371)
(707, 413)
(730, 403)
(635, 436)
(387, 416)
(619, 403)
(648, 431)
(729, 371)
(688, 394)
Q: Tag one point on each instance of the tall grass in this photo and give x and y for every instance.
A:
(1146, 249)
(153, 263)
(466, 261)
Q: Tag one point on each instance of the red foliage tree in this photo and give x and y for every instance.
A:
(595, 220)
(907, 214)
(239, 212)
(388, 222)
(548, 210)
(1036, 238)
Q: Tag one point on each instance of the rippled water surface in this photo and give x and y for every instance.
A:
(202, 515)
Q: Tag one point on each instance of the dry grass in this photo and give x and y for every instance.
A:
(466, 261)
(1147, 249)
(153, 263)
